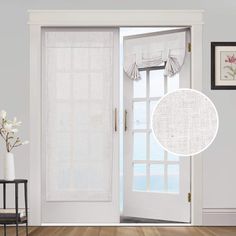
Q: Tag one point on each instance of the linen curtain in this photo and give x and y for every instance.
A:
(166, 48)
(77, 111)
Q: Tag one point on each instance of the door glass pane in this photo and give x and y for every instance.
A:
(139, 177)
(172, 157)
(139, 115)
(157, 182)
(173, 178)
(156, 83)
(173, 83)
(139, 149)
(156, 151)
(152, 106)
(140, 86)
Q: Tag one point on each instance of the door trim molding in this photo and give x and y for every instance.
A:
(115, 17)
(104, 18)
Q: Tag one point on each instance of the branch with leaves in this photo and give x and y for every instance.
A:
(8, 130)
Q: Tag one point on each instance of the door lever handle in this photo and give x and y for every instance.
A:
(116, 120)
(125, 123)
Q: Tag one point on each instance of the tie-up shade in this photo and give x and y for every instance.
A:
(165, 48)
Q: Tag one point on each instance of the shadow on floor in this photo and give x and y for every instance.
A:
(127, 219)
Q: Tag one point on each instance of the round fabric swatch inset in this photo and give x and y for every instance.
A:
(185, 122)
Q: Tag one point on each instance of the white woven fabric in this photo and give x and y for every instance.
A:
(185, 122)
(149, 50)
(78, 110)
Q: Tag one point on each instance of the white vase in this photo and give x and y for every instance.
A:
(9, 167)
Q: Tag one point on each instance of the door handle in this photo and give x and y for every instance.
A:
(125, 123)
(116, 120)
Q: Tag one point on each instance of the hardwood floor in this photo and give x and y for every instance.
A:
(124, 231)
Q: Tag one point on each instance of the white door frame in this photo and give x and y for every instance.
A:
(105, 18)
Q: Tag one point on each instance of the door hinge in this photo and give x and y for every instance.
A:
(189, 47)
(189, 197)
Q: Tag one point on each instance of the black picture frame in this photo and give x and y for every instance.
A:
(213, 66)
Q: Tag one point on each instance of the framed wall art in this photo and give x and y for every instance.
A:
(223, 65)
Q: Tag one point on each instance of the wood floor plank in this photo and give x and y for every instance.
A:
(221, 231)
(123, 231)
(71, 231)
(140, 231)
(151, 231)
(107, 231)
(92, 231)
(126, 231)
(42, 231)
(11, 230)
(204, 231)
(178, 231)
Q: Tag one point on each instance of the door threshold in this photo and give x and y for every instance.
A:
(118, 224)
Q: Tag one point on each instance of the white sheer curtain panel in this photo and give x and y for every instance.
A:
(77, 108)
(154, 49)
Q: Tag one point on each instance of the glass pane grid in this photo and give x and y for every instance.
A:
(139, 114)
(139, 146)
(154, 170)
(139, 177)
(139, 87)
(163, 178)
(156, 82)
(173, 178)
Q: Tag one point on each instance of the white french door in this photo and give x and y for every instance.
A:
(80, 127)
(157, 183)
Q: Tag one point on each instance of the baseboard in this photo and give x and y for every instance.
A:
(219, 216)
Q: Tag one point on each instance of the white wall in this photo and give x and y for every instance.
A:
(219, 161)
